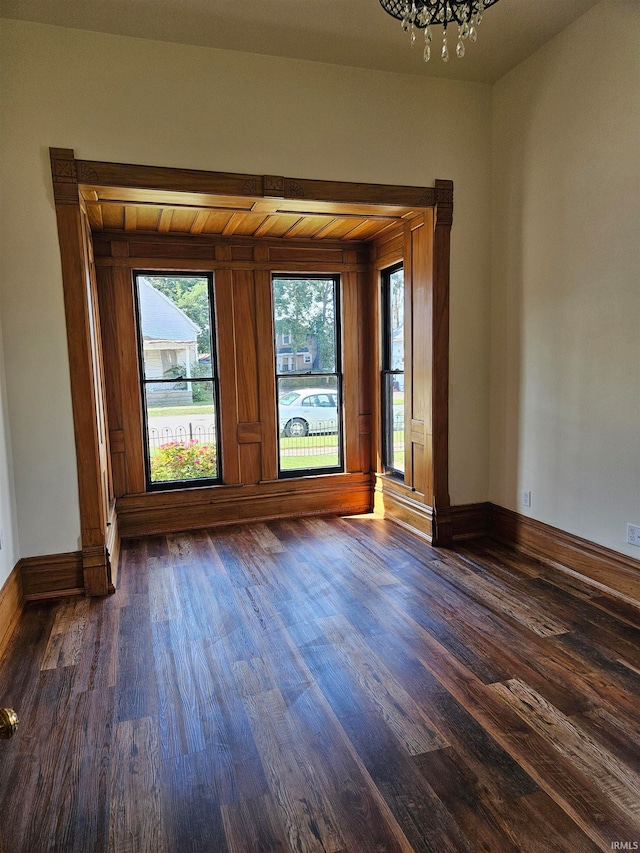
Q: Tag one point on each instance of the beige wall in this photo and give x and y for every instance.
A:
(8, 553)
(565, 362)
(128, 100)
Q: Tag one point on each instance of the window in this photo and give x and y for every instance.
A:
(179, 379)
(393, 369)
(309, 391)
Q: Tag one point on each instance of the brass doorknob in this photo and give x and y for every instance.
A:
(8, 723)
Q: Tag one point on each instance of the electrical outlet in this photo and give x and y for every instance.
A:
(526, 497)
(633, 534)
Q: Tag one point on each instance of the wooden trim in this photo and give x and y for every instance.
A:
(601, 567)
(168, 512)
(351, 375)
(85, 359)
(11, 604)
(443, 531)
(397, 502)
(95, 173)
(52, 575)
(203, 247)
(466, 521)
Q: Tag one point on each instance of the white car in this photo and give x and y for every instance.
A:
(303, 411)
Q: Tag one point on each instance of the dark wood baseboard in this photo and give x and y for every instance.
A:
(52, 576)
(468, 521)
(11, 602)
(191, 509)
(608, 570)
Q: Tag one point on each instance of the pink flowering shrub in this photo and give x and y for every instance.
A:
(184, 460)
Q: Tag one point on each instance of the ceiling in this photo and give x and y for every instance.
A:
(354, 33)
(153, 211)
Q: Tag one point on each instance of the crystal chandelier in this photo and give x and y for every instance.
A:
(424, 14)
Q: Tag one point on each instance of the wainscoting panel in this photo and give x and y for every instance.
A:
(190, 509)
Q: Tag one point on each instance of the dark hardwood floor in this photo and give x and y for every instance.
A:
(325, 685)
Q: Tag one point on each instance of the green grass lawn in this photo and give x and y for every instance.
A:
(287, 463)
(203, 408)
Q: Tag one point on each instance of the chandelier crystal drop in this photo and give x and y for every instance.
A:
(423, 14)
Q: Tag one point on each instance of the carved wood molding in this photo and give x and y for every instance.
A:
(64, 176)
(444, 202)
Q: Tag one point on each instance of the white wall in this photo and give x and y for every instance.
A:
(128, 100)
(565, 362)
(9, 552)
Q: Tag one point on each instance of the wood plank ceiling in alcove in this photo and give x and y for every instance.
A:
(156, 212)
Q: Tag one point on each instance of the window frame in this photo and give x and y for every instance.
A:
(336, 278)
(387, 371)
(214, 378)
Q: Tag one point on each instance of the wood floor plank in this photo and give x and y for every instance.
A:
(306, 814)
(67, 634)
(135, 777)
(252, 826)
(612, 778)
(192, 813)
(399, 711)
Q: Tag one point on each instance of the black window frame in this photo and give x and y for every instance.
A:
(214, 378)
(387, 371)
(290, 473)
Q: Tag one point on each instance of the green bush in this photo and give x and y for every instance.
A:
(184, 460)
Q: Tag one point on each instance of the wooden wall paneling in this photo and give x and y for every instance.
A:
(267, 378)
(130, 389)
(247, 367)
(351, 376)
(228, 382)
(82, 340)
(190, 509)
(421, 359)
(115, 409)
(122, 378)
(375, 366)
(443, 218)
(367, 366)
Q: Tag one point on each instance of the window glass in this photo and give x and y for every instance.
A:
(308, 374)
(393, 369)
(179, 382)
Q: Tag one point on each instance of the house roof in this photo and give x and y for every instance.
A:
(161, 318)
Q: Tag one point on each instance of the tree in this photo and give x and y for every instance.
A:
(305, 309)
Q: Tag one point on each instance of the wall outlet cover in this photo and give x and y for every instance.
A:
(633, 534)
